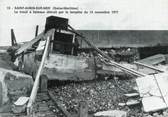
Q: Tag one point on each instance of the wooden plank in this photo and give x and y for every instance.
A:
(1, 94)
(83, 109)
(58, 104)
(36, 33)
(131, 94)
(128, 70)
(36, 83)
(105, 56)
(43, 83)
(130, 103)
(13, 38)
(148, 66)
(29, 44)
(73, 41)
(153, 60)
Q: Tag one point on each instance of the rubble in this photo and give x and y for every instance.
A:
(153, 91)
(20, 105)
(14, 85)
(100, 94)
(102, 97)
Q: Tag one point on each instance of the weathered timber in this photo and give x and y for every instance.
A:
(28, 45)
(148, 66)
(43, 83)
(153, 60)
(36, 83)
(58, 104)
(131, 95)
(131, 71)
(37, 27)
(1, 94)
(110, 62)
(111, 113)
(83, 109)
(13, 38)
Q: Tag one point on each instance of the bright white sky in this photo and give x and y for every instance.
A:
(133, 15)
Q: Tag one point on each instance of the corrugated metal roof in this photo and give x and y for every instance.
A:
(125, 38)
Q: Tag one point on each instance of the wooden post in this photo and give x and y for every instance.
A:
(83, 109)
(58, 104)
(13, 38)
(1, 94)
(73, 41)
(148, 66)
(36, 83)
(36, 31)
(43, 83)
(52, 42)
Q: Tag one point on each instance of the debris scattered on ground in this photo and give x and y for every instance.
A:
(20, 105)
(100, 95)
(153, 90)
(131, 94)
(13, 85)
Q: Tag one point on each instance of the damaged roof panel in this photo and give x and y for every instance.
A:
(29, 44)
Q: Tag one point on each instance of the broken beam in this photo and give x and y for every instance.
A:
(106, 56)
(148, 66)
(57, 103)
(36, 83)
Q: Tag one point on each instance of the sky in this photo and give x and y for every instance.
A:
(132, 15)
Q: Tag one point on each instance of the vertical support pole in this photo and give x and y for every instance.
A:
(13, 38)
(36, 31)
(52, 42)
(1, 94)
(83, 109)
(81, 44)
(36, 83)
(43, 83)
(73, 41)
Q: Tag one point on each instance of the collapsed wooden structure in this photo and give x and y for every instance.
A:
(59, 43)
